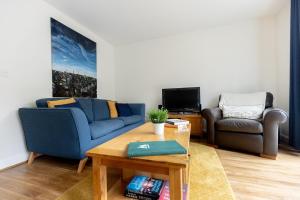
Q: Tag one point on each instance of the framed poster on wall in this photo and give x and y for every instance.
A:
(74, 63)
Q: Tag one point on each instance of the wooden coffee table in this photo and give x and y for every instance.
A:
(114, 154)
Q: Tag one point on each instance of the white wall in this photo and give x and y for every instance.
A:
(283, 56)
(25, 67)
(234, 58)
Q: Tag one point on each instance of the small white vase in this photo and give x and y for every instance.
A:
(159, 128)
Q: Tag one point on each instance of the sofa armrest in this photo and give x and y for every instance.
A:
(62, 132)
(211, 115)
(272, 118)
(137, 108)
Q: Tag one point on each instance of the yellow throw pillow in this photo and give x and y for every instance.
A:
(52, 104)
(112, 109)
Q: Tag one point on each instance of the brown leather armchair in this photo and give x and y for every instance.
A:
(256, 136)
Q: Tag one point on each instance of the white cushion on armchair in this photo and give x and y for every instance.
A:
(243, 105)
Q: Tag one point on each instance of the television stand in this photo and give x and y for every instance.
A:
(194, 118)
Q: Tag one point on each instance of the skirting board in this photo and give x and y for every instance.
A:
(13, 160)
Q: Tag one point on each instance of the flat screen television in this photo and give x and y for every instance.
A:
(181, 99)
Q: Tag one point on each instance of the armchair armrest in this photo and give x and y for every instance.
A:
(62, 132)
(211, 115)
(138, 109)
(272, 118)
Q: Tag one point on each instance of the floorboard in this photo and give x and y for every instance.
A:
(250, 176)
(253, 177)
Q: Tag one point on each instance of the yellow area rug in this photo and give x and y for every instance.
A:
(208, 180)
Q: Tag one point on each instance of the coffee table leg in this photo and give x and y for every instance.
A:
(99, 180)
(186, 174)
(175, 176)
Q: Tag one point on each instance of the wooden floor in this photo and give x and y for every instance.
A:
(251, 177)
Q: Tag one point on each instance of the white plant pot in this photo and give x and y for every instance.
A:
(159, 128)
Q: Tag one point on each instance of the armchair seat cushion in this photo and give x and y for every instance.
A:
(239, 125)
(104, 127)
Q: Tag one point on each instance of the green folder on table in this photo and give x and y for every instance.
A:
(154, 148)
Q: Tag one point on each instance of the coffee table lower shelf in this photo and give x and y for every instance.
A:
(116, 192)
(177, 176)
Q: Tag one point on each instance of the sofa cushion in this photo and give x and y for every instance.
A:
(76, 104)
(43, 103)
(104, 127)
(131, 119)
(239, 125)
(100, 108)
(112, 109)
(123, 110)
(87, 107)
(243, 105)
(60, 102)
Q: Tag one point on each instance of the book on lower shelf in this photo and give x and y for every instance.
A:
(146, 188)
(165, 194)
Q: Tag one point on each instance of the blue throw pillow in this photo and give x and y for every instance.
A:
(123, 109)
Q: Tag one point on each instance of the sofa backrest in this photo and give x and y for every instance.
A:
(94, 109)
(269, 100)
(87, 107)
(101, 110)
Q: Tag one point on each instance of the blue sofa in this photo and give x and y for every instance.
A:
(70, 132)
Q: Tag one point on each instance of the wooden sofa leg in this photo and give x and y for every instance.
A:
(268, 156)
(32, 156)
(81, 165)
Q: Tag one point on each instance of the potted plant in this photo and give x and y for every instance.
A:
(158, 117)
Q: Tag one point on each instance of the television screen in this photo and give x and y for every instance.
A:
(181, 99)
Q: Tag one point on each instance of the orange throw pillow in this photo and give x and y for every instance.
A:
(52, 104)
(112, 109)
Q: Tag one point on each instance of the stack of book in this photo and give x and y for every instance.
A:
(143, 187)
(178, 123)
(146, 188)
